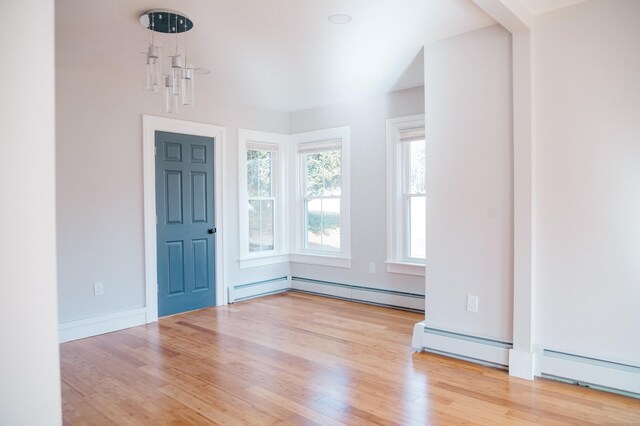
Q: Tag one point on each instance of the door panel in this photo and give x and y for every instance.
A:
(184, 205)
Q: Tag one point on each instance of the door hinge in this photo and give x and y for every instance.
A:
(155, 150)
(156, 219)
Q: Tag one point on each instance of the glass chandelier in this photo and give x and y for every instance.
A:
(177, 81)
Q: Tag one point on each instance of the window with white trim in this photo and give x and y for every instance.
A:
(321, 192)
(406, 195)
(322, 199)
(262, 166)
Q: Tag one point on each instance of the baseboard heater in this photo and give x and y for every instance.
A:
(590, 372)
(480, 350)
(374, 296)
(247, 291)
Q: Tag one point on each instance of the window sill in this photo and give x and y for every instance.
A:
(406, 268)
(316, 259)
(252, 262)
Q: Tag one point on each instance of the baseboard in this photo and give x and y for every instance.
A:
(491, 352)
(241, 292)
(591, 372)
(80, 329)
(375, 296)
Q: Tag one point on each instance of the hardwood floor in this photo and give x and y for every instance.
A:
(299, 359)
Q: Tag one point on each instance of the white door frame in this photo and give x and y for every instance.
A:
(151, 124)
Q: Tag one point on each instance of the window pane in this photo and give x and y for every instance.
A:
(314, 224)
(323, 224)
(331, 224)
(259, 173)
(252, 173)
(417, 231)
(267, 224)
(264, 174)
(261, 220)
(255, 237)
(323, 173)
(416, 166)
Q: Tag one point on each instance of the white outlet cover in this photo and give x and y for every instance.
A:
(98, 289)
(472, 304)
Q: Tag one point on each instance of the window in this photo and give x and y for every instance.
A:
(406, 195)
(322, 196)
(260, 196)
(262, 166)
(322, 183)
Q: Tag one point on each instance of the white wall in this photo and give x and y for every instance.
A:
(367, 119)
(29, 359)
(468, 92)
(100, 198)
(587, 173)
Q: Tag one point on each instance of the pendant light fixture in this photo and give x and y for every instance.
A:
(177, 82)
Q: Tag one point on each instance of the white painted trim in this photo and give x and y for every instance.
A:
(406, 268)
(271, 259)
(150, 125)
(80, 329)
(281, 195)
(359, 294)
(521, 364)
(396, 219)
(338, 262)
(513, 16)
(475, 349)
(601, 373)
(343, 134)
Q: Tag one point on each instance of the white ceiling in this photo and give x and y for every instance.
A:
(278, 54)
(536, 7)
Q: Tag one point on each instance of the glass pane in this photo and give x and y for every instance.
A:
(416, 166)
(267, 224)
(332, 172)
(252, 173)
(417, 231)
(259, 165)
(264, 174)
(323, 173)
(331, 224)
(261, 223)
(314, 224)
(255, 236)
(323, 224)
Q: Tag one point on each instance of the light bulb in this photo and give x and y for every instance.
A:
(153, 68)
(170, 99)
(176, 72)
(187, 90)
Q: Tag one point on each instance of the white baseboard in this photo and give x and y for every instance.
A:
(375, 296)
(591, 372)
(260, 288)
(80, 329)
(476, 349)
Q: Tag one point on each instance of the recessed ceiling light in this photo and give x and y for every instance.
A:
(340, 18)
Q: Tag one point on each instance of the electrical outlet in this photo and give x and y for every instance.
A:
(98, 289)
(472, 303)
(372, 267)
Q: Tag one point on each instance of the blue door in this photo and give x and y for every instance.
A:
(185, 222)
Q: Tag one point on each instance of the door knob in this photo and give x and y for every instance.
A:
(211, 231)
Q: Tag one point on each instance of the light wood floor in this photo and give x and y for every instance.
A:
(300, 359)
